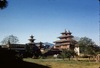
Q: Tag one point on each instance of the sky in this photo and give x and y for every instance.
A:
(46, 19)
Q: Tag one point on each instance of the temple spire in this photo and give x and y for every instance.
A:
(31, 39)
(69, 32)
(65, 31)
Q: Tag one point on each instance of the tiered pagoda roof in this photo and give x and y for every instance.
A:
(66, 37)
(31, 39)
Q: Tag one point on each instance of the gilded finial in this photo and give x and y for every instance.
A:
(65, 31)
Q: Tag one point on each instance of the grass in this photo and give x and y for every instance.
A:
(53, 63)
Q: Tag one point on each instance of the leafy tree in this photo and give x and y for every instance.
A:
(87, 46)
(11, 38)
(3, 4)
(67, 54)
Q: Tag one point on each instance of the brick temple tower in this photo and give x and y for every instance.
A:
(66, 41)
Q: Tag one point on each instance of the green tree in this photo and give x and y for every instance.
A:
(87, 46)
(11, 38)
(3, 4)
(67, 54)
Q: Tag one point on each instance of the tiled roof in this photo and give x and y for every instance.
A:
(63, 36)
(62, 40)
(61, 44)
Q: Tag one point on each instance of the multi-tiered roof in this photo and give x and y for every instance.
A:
(31, 39)
(66, 41)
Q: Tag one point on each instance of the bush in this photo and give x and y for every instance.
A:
(66, 54)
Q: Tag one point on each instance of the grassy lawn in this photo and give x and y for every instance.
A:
(53, 63)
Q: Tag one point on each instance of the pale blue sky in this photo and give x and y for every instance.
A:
(46, 19)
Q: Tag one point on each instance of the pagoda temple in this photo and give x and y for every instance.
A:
(31, 39)
(31, 45)
(66, 41)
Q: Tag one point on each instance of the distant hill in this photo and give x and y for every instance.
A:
(48, 45)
